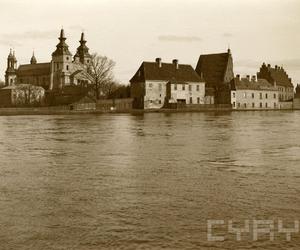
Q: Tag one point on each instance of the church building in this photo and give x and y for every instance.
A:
(62, 70)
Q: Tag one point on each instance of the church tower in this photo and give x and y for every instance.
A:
(33, 59)
(82, 55)
(11, 70)
(61, 64)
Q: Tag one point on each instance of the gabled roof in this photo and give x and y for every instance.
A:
(167, 72)
(213, 67)
(34, 69)
(245, 84)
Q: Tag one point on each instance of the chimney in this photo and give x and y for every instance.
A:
(175, 62)
(253, 78)
(238, 77)
(158, 61)
(276, 67)
(248, 77)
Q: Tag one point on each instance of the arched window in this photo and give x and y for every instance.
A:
(67, 67)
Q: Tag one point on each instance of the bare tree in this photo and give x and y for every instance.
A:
(100, 74)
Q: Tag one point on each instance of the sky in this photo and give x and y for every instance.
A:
(132, 31)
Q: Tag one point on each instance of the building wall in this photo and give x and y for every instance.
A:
(296, 103)
(254, 99)
(155, 94)
(37, 80)
(188, 92)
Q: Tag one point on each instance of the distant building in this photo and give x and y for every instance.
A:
(21, 95)
(183, 94)
(61, 71)
(296, 101)
(280, 78)
(149, 85)
(253, 93)
(217, 71)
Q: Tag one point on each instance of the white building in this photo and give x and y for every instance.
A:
(149, 85)
(253, 94)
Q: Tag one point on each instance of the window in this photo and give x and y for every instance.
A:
(67, 67)
(183, 86)
(260, 105)
(233, 104)
(252, 95)
(245, 95)
(275, 105)
(266, 104)
(253, 105)
(175, 86)
(11, 80)
(190, 87)
(233, 94)
(245, 105)
(88, 61)
(160, 87)
(274, 96)
(150, 85)
(67, 58)
(191, 100)
(198, 87)
(198, 100)
(239, 105)
(159, 101)
(260, 95)
(57, 66)
(266, 95)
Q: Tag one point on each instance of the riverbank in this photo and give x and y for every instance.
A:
(65, 111)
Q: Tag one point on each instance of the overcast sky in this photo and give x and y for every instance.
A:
(132, 31)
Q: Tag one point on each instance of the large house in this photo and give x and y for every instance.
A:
(280, 78)
(217, 71)
(253, 93)
(62, 70)
(157, 84)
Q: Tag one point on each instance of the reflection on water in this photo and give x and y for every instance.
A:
(146, 182)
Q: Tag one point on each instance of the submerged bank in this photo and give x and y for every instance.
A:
(63, 111)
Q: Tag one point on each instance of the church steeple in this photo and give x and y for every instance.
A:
(11, 70)
(82, 55)
(62, 48)
(33, 59)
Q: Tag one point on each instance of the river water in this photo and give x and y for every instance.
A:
(151, 181)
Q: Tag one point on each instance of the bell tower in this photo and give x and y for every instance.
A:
(11, 70)
(82, 54)
(61, 64)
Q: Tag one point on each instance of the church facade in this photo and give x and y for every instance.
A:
(63, 70)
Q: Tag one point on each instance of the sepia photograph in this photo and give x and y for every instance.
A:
(150, 125)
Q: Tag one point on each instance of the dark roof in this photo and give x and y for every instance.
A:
(213, 67)
(276, 74)
(34, 69)
(244, 83)
(281, 78)
(167, 72)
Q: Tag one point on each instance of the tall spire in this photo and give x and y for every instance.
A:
(62, 48)
(33, 59)
(82, 51)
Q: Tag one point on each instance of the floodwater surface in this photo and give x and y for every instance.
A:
(151, 181)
